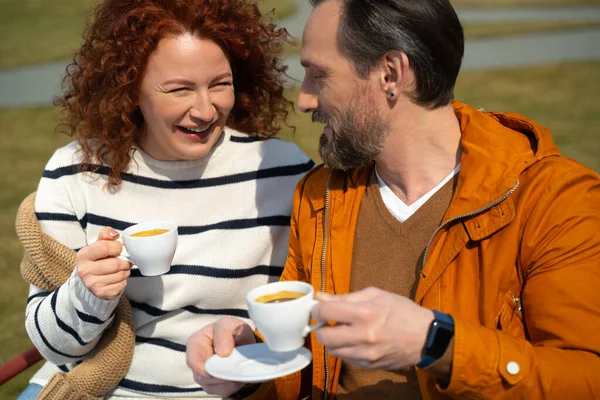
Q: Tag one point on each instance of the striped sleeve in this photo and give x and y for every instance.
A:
(60, 331)
(64, 324)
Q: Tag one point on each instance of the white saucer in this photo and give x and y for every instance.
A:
(255, 363)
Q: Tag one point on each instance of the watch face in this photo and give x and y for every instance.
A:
(443, 335)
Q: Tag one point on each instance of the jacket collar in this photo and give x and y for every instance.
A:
(341, 183)
(496, 149)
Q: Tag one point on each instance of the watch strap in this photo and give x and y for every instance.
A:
(246, 391)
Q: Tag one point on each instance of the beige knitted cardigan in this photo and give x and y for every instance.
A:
(47, 264)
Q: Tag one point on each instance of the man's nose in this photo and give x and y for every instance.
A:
(307, 100)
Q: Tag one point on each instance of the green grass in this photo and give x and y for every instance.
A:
(32, 31)
(35, 31)
(562, 97)
(502, 29)
(496, 29)
(521, 3)
(282, 8)
(25, 148)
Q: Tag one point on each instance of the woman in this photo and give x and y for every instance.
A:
(172, 103)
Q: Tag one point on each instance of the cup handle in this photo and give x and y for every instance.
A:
(124, 255)
(308, 329)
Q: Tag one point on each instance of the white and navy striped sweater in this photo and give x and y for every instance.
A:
(233, 210)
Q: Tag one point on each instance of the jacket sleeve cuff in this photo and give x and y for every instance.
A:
(264, 391)
(441, 369)
(485, 361)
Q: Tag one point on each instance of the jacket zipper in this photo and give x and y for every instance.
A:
(517, 301)
(323, 255)
(469, 214)
(324, 248)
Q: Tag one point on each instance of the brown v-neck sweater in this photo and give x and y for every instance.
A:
(388, 254)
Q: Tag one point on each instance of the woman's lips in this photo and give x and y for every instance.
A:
(196, 136)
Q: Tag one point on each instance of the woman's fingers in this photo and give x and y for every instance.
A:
(106, 266)
(100, 270)
(108, 233)
(201, 346)
(105, 280)
(99, 250)
(110, 292)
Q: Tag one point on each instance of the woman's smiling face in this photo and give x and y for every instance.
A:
(186, 96)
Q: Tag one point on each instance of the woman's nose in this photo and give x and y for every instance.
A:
(203, 109)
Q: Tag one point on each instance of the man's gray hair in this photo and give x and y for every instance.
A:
(427, 31)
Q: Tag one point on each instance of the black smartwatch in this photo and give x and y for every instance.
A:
(246, 391)
(441, 332)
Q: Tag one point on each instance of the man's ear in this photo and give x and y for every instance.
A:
(394, 73)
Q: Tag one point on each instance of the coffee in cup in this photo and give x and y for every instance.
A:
(151, 246)
(279, 297)
(150, 232)
(281, 313)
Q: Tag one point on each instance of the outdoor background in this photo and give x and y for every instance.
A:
(563, 96)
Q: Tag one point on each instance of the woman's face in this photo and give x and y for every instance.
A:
(185, 97)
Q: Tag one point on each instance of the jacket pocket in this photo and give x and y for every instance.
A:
(510, 318)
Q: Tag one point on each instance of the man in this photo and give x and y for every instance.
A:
(428, 204)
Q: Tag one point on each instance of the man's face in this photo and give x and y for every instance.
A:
(337, 97)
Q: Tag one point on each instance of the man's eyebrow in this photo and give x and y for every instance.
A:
(308, 64)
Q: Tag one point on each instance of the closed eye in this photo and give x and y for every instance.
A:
(221, 86)
(180, 89)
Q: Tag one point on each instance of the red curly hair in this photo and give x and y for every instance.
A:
(103, 81)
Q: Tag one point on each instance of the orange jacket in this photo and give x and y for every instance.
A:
(516, 263)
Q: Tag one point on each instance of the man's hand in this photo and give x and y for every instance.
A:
(374, 328)
(218, 338)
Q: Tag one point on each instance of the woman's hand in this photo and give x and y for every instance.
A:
(217, 338)
(99, 269)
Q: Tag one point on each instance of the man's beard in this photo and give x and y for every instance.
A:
(357, 138)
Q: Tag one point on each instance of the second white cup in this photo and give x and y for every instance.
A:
(284, 325)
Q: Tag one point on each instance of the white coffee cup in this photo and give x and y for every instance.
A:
(283, 325)
(153, 255)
